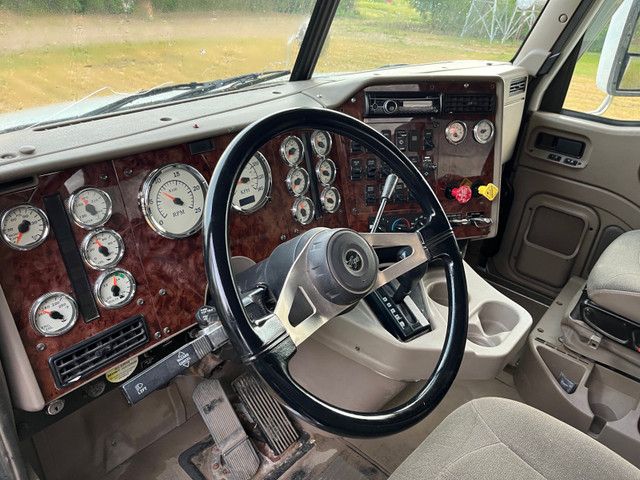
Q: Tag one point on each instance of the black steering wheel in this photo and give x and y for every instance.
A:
(323, 272)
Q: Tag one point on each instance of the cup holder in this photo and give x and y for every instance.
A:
(438, 293)
(494, 323)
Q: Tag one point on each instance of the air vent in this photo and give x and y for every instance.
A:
(81, 360)
(469, 103)
(517, 86)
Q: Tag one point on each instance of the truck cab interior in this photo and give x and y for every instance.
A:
(407, 246)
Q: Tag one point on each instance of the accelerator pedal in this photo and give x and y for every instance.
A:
(235, 447)
(268, 414)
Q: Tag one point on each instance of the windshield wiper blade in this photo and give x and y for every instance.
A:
(191, 90)
(232, 83)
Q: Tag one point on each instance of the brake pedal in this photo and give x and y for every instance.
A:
(268, 414)
(235, 447)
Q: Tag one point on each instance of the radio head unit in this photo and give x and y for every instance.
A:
(400, 104)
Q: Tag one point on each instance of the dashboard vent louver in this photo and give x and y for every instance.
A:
(517, 86)
(83, 359)
(469, 103)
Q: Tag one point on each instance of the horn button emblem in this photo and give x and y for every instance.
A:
(353, 260)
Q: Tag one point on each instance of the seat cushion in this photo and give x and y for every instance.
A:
(496, 438)
(614, 281)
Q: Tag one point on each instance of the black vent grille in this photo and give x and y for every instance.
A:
(469, 103)
(83, 359)
(517, 86)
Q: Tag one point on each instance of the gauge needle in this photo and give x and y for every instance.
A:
(244, 180)
(55, 314)
(115, 289)
(176, 200)
(44, 311)
(324, 172)
(83, 199)
(102, 249)
(19, 237)
(329, 200)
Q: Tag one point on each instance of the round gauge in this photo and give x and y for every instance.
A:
(455, 132)
(483, 131)
(298, 181)
(172, 200)
(303, 210)
(102, 249)
(326, 171)
(254, 185)
(292, 150)
(115, 288)
(321, 142)
(90, 207)
(24, 227)
(330, 199)
(53, 314)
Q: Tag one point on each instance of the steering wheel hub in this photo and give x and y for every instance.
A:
(343, 266)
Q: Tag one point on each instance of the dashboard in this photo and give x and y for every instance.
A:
(103, 261)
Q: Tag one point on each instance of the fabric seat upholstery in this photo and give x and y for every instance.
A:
(495, 438)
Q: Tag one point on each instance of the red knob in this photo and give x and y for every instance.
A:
(462, 194)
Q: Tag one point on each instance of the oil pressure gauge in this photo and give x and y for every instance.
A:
(115, 288)
(330, 199)
(53, 314)
(326, 171)
(90, 207)
(24, 227)
(298, 181)
(102, 249)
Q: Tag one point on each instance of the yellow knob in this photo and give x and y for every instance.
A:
(489, 191)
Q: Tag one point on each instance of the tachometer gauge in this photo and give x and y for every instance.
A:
(172, 200)
(330, 199)
(455, 132)
(24, 227)
(326, 171)
(102, 249)
(115, 288)
(483, 131)
(53, 314)
(298, 181)
(90, 207)
(292, 150)
(303, 210)
(254, 185)
(321, 142)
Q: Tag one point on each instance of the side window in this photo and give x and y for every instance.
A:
(606, 79)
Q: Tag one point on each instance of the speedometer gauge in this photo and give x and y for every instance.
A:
(172, 200)
(254, 185)
(24, 227)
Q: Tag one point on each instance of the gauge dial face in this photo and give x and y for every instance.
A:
(303, 210)
(330, 199)
(115, 288)
(90, 207)
(172, 200)
(53, 314)
(102, 249)
(326, 171)
(455, 132)
(24, 227)
(483, 131)
(298, 181)
(292, 150)
(321, 142)
(254, 185)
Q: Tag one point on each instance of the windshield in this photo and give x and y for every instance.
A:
(75, 58)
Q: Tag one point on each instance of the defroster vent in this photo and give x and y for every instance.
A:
(469, 103)
(517, 86)
(83, 359)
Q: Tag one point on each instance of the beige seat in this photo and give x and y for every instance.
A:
(495, 438)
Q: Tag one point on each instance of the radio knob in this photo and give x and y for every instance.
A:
(390, 106)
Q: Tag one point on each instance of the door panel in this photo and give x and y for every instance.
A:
(564, 216)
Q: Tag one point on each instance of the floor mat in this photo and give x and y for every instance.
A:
(315, 457)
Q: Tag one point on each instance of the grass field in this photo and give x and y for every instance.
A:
(53, 59)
